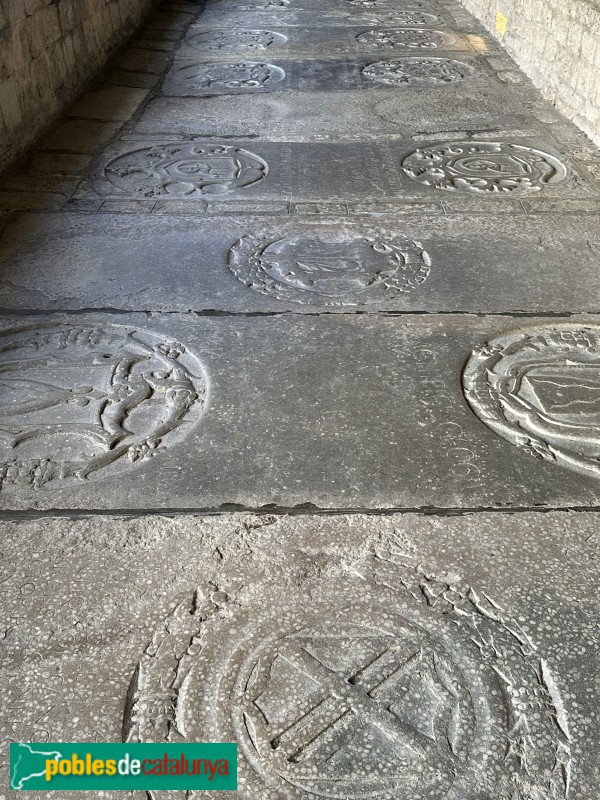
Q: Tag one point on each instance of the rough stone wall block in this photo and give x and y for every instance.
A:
(556, 43)
(48, 52)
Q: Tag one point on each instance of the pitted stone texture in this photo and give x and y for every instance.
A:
(84, 401)
(484, 167)
(176, 259)
(422, 641)
(339, 412)
(539, 388)
(216, 16)
(328, 269)
(417, 71)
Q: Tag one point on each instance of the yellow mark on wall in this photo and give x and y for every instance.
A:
(501, 23)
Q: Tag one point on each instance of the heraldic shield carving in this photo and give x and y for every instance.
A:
(540, 390)
(388, 682)
(78, 402)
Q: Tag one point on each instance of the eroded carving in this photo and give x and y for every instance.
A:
(244, 75)
(236, 40)
(484, 167)
(185, 169)
(540, 390)
(83, 401)
(324, 268)
(411, 71)
(423, 688)
(408, 37)
(265, 5)
(400, 18)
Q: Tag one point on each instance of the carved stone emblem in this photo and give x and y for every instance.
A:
(186, 169)
(331, 269)
(236, 40)
(484, 167)
(245, 75)
(407, 37)
(411, 71)
(540, 390)
(84, 401)
(389, 681)
(400, 18)
(265, 5)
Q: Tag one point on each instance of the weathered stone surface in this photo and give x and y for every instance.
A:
(198, 77)
(465, 630)
(289, 42)
(335, 412)
(477, 263)
(360, 115)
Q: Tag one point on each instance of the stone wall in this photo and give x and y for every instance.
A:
(49, 50)
(557, 43)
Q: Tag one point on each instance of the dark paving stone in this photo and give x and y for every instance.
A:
(474, 263)
(166, 411)
(197, 78)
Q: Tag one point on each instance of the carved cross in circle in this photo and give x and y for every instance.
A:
(330, 713)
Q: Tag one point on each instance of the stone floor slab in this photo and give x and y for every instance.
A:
(342, 412)
(493, 616)
(199, 77)
(219, 263)
(321, 40)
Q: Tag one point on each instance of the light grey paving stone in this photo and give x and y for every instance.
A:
(489, 171)
(111, 626)
(472, 263)
(360, 116)
(320, 41)
(199, 77)
(217, 412)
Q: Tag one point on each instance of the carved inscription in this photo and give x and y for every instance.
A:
(540, 390)
(331, 269)
(245, 75)
(389, 681)
(83, 401)
(185, 169)
(236, 40)
(411, 71)
(484, 167)
(407, 37)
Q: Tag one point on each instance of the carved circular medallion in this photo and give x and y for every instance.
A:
(484, 167)
(540, 390)
(328, 268)
(236, 40)
(408, 37)
(84, 401)
(401, 18)
(411, 71)
(245, 75)
(265, 5)
(186, 169)
(391, 682)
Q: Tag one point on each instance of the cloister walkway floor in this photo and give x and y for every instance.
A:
(300, 409)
